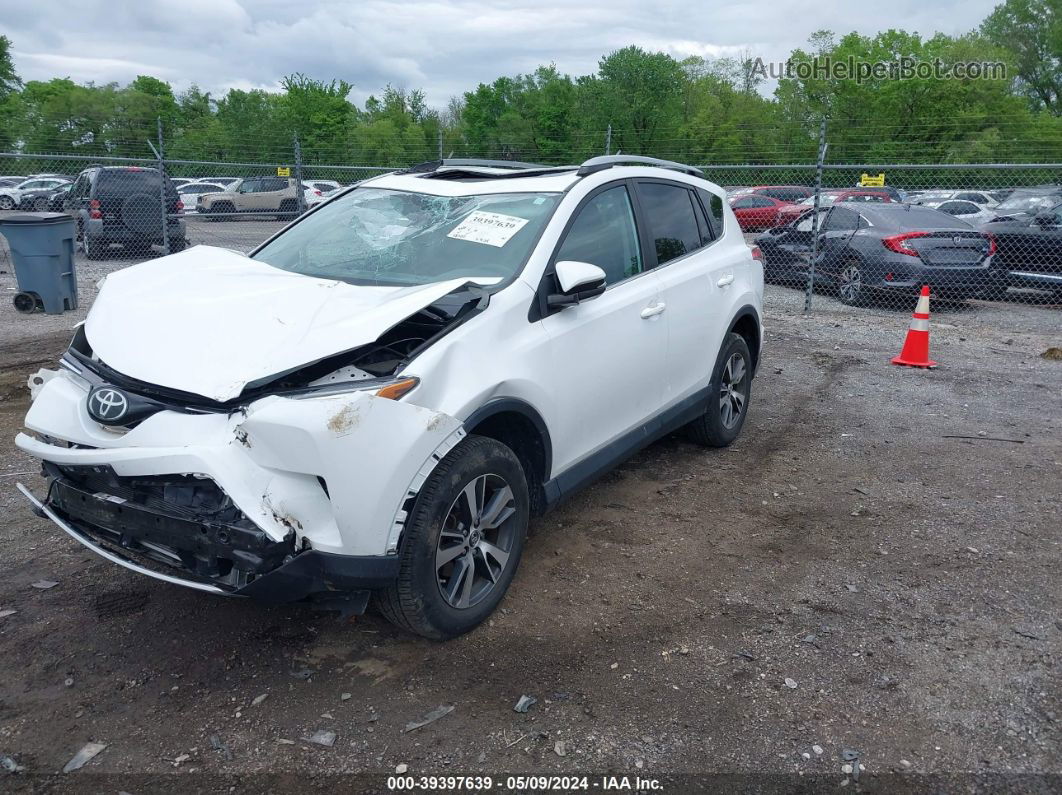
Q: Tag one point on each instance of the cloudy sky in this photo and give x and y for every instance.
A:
(441, 46)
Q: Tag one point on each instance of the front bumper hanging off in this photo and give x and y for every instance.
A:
(307, 574)
(280, 500)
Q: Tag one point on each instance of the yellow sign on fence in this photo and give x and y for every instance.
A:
(285, 171)
(869, 181)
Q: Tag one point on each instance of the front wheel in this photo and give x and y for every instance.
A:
(728, 396)
(7, 203)
(462, 542)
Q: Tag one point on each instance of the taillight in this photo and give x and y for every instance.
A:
(317, 192)
(757, 254)
(991, 244)
(180, 205)
(94, 209)
(898, 243)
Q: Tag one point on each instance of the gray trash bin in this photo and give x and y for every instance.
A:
(42, 248)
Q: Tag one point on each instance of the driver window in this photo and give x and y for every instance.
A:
(604, 234)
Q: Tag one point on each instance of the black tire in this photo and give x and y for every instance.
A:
(715, 428)
(40, 204)
(289, 209)
(7, 203)
(416, 601)
(224, 209)
(178, 245)
(93, 248)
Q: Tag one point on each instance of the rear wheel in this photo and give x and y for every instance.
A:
(93, 248)
(462, 542)
(40, 204)
(850, 287)
(289, 208)
(728, 396)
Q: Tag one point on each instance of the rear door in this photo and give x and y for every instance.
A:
(836, 232)
(696, 277)
(753, 212)
(274, 191)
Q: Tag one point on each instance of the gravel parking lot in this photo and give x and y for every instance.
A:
(871, 568)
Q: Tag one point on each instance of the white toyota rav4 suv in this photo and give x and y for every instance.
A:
(374, 403)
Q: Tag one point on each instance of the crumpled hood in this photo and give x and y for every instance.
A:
(210, 321)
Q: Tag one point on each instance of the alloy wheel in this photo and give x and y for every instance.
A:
(476, 541)
(850, 284)
(732, 390)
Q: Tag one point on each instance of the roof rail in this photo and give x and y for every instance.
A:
(435, 165)
(595, 164)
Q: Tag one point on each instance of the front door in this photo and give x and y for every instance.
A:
(606, 356)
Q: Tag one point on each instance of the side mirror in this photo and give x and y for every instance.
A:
(579, 281)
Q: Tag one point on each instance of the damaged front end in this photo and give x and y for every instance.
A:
(298, 487)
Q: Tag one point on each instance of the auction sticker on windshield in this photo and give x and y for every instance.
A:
(492, 229)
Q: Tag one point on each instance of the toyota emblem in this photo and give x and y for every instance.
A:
(107, 405)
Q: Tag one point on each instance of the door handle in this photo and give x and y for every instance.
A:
(653, 310)
(726, 281)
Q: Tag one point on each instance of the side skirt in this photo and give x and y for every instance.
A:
(619, 450)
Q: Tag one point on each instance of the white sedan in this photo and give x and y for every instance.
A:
(191, 192)
(966, 210)
(10, 197)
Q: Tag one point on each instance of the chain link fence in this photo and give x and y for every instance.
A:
(972, 233)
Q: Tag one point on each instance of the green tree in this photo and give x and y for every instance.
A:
(10, 85)
(640, 94)
(1032, 31)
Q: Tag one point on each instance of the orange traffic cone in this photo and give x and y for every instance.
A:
(915, 351)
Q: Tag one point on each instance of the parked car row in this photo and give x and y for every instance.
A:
(30, 193)
(963, 243)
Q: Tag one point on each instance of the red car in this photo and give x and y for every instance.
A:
(756, 212)
(828, 197)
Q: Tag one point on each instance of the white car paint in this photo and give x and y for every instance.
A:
(12, 196)
(256, 320)
(968, 211)
(190, 192)
(209, 322)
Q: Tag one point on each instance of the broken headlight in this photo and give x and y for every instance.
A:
(391, 388)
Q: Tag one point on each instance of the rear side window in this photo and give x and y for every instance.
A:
(749, 202)
(841, 219)
(959, 208)
(672, 223)
(126, 182)
(925, 218)
(714, 207)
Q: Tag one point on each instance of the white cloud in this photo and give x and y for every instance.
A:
(441, 46)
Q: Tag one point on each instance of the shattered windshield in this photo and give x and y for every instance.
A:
(374, 236)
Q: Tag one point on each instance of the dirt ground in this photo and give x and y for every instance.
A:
(871, 568)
